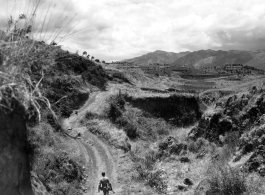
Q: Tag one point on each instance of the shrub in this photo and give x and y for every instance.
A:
(117, 104)
(145, 168)
(114, 112)
(156, 180)
(178, 149)
(229, 148)
(90, 115)
(122, 122)
(162, 131)
(163, 145)
(40, 136)
(131, 131)
(223, 180)
(196, 146)
(121, 77)
(150, 160)
(58, 172)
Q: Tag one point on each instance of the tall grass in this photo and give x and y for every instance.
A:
(42, 16)
(21, 46)
(223, 180)
(26, 56)
(146, 170)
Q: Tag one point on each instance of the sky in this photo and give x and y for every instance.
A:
(113, 30)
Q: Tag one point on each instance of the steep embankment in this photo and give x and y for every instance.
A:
(14, 162)
(49, 82)
(238, 118)
(179, 110)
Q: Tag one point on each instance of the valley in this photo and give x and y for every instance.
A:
(163, 145)
(186, 123)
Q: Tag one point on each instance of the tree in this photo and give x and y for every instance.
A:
(88, 56)
(97, 60)
(103, 62)
(22, 16)
(29, 29)
(84, 53)
(92, 57)
(53, 43)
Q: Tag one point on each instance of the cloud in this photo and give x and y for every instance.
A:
(120, 29)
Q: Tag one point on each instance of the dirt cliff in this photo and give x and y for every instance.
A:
(179, 110)
(14, 163)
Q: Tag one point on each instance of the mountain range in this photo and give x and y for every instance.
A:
(203, 58)
(158, 56)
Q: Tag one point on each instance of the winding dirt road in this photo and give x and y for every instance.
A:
(97, 154)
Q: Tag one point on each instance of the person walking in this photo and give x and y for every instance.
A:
(105, 185)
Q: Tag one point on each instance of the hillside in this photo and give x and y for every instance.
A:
(41, 84)
(65, 119)
(147, 138)
(203, 58)
(161, 57)
(210, 58)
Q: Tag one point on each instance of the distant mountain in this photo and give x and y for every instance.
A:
(210, 58)
(158, 56)
(259, 60)
(203, 58)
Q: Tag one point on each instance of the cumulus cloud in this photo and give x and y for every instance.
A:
(120, 29)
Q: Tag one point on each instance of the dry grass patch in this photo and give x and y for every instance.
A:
(224, 180)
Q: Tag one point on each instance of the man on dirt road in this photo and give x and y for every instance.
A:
(105, 185)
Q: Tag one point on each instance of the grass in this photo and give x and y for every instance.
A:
(224, 180)
(59, 170)
(255, 184)
(146, 170)
(198, 145)
(26, 60)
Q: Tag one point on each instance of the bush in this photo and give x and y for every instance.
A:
(150, 160)
(117, 104)
(131, 131)
(156, 180)
(162, 131)
(223, 180)
(58, 172)
(163, 145)
(120, 76)
(91, 116)
(40, 136)
(114, 112)
(196, 146)
(145, 167)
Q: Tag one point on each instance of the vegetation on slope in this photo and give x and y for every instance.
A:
(50, 83)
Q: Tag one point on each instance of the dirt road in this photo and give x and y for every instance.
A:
(96, 152)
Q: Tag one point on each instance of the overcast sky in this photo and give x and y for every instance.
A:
(121, 29)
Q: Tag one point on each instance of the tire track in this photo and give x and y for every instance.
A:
(97, 155)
